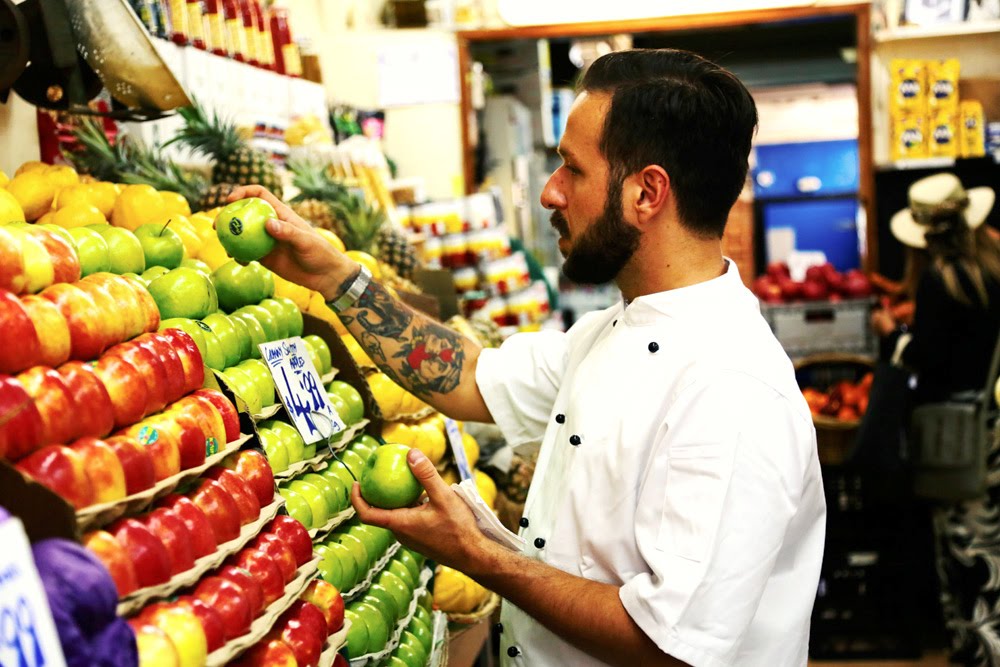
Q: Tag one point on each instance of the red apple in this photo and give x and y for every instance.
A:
(230, 417)
(816, 274)
(112, 554)
(175, 536)
(834, 282)
(189, 355)
(54, 401)
(790, 290)
(126, 301)
(197, 523)
(107, 477)
(125, 387)
(21, 427)
(294, 535)
(145, 550)
(148, 308)
(12, 274)
(221, 510)
(192, 439)
(52, 330)
(211, 621)
(208, 419)
(230, 601)
(19, 344)
(161, 439)
(136, 462)
(270, 652)
(251, 587)
(329, 601)
(164, 351)
(98, 417)
(113, 322)
(252, 466)
(302, 633)
(856, 285)
(151, 370)
(340, 661)
(238, 490)
(776, 270)
(814, 290)
(65, 263)
(264, 570)
(273, 546)
(63, 471)
(88, 337)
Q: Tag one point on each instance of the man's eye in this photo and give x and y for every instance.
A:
(571, 169)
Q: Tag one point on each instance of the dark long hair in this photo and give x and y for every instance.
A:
(953, 249)
(693, 118)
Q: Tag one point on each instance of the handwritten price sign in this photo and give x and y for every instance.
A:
(301, 390)
(457, 449)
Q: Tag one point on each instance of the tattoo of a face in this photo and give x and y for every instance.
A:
(432, 360)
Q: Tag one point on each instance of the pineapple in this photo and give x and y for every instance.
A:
(235, 161)
(216, 195)
(316, 212)
(316, 192)
(396, 250)
(95, 154)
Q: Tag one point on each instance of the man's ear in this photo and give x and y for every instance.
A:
(652, 187)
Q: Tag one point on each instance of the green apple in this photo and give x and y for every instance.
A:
(297, 507)
(341, 491)
(403, 573)
(418, 558)
(213, 357)
(350, 573)
(124, 249)
(265, 319)
(160, 244)
(197, 265)
(358, 551)
(378, 630)
(154, 272)
(280, 316)
(364, 445)
(290, 436)
(410, 641)
(316, 360)
(410, 561)
(309, 451)
(337, 471)
(268, 284)
(225, 332)
(92, 250)
(334, 492)
(342, 410)
(294, 315)
(262, 376)
(274, 448)
(256, 332)
(243, 335)
(350, 541)
(323, 350)
(243, 385)
(353, 462)
(388, 613)
(425, 605)
(184, 293)
(329, 568)
(386, 601)
(194, 328)
(242, 229)
(314, 496)
(393, 661)
(387, 480)
(357, 635)
(396, 586)
(422, 632)
(352, 397)
(240, 285)
(56, 229)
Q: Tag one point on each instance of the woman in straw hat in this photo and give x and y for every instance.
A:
(953, 270)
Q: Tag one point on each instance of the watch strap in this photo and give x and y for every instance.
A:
(352, 293)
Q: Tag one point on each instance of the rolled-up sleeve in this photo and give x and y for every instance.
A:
(519, 382)
(723, 486)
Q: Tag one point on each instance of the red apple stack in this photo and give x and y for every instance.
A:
(63, 471)
(822, 282)
(19, 343)
(110, 552)
(12, 274)
(21, 427)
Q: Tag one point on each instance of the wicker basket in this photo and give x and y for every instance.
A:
(834, 437)
(484, 610)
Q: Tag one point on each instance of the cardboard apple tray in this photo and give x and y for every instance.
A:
(96, 516)
(263, 623)
(324, 455)
(376, 658)
(362, 587)
(321, 533)
(135, 601)
(333, 644)
(439, 641)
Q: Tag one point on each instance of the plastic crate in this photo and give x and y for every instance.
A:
(812, 328)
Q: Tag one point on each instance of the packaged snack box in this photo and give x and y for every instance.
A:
(943, 134)
(909, 137)
(942, 85)
(908, 87)
(972, 133)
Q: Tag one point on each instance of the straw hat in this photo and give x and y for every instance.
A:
(936, 196)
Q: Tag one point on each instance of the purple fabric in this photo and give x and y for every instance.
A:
(115, 646)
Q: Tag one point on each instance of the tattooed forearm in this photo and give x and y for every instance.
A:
(432, 359)
(379, 313)
(373, 346)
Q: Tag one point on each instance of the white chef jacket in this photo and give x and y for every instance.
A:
(678, 462)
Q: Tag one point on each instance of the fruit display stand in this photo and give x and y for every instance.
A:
(334, 644)
(822, 326)
(836, 388)
(400, 627)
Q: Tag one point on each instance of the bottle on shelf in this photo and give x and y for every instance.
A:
(196, 24)
(235, 35)
(215, 29)
(250, 39)
(286, 51)
(179, 32)
(265, 48)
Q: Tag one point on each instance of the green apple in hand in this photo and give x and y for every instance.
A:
(160, 244)
(184, 292)
(124, 249)
(225, 332)
(92, 250)
(197, 265)
(387, 481)
(242, 229)
(240, 285)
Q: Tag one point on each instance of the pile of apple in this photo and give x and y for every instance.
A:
(845, 401)
(222, 606)
(150, 548)
(314, 498)
(822, 283)
(298, 636)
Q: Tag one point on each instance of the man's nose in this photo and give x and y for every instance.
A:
(552, 194)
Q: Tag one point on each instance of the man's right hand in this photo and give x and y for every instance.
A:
(301, 255)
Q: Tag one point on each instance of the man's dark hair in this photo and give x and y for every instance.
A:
(677, 110)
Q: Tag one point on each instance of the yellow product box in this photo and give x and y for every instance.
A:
(908, 91)
(972, 129)
(942, 85)
(909, 137)
(942, 134)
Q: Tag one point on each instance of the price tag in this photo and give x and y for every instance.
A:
(457, 449)
(27, 633)
(301, 389)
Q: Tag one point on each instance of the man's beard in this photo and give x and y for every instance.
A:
(600, 252)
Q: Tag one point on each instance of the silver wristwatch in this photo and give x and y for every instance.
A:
(353, 293)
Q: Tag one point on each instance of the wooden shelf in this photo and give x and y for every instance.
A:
(944, 31)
